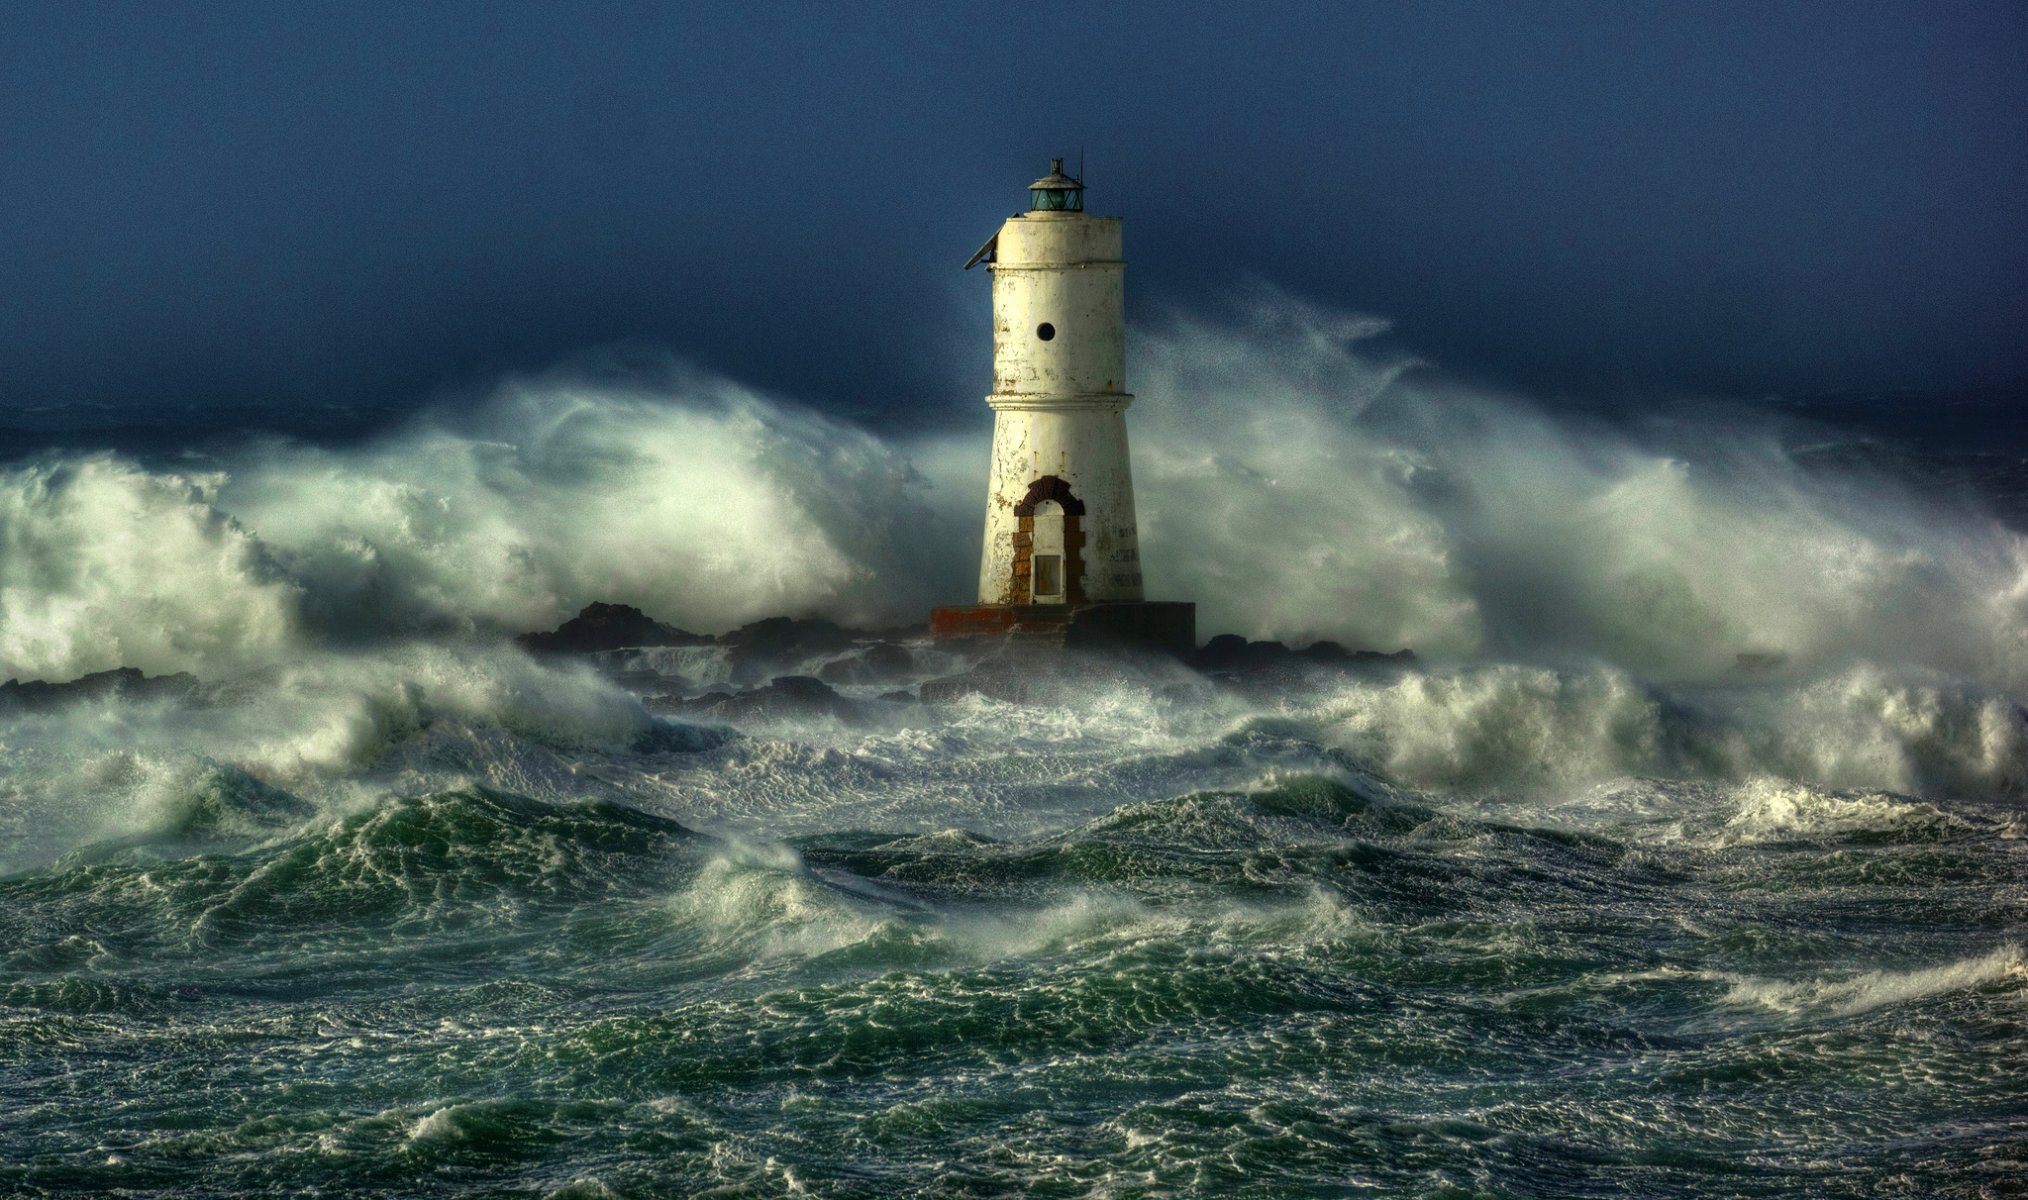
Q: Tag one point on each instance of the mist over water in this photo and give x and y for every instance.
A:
(1295, 482)
(692, 498)
(1416, 511)
(1687, 860)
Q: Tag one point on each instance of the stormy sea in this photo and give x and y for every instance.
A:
(1682, 856)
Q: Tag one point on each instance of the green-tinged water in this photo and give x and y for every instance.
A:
(1162, 945)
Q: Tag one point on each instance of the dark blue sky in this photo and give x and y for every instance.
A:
(306, 204)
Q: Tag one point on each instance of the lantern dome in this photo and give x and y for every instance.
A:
(1056, 192)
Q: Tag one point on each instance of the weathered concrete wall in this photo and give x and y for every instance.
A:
(1063, 271)
(1059, 370)
(1087, 449)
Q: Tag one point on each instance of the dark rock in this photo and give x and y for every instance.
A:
(602, 626)
(948, 689)
(1333, 654)
(789, 696)
(120, 683)
(888, 661)
(762, 648)
(881, 662)
(667, 705)
(1230, 652)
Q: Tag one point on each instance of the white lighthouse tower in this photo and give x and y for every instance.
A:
(1061, 547)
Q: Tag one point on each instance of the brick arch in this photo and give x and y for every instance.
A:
(1049, 487)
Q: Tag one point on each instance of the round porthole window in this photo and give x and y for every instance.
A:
(1045, 331)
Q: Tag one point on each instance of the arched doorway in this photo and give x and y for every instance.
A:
(1045, 574)
(1049, 545)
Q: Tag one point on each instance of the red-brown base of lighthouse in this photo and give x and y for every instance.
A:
(1165, 626)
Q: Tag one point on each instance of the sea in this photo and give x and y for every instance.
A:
(1685, 859)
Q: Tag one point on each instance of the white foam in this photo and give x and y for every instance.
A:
(316, 727)
(1869, 990)
(1867, 727)
(105, 565)
(1293, 480)
(1504, 726)
(690, 498)
(758, 898)
(1298, 482)
(1524, 728)
(761, 901)
(1773, 809)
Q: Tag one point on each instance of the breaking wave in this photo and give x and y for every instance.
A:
(1295, 481)
(104, 564)
(689, 497)
(1852, 994)
(1700, 805)
(1514, 727)
(1301, 483)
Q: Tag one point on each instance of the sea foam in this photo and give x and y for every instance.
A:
(1868, 990)
(1293, 479)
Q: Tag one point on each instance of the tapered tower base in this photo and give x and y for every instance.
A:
(1162, 626)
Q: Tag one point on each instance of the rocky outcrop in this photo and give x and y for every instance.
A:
(121, 683)
(787, 697)
(764, 649)
(790, 667)
(1230, 654)
(881, 662)
(600, 626)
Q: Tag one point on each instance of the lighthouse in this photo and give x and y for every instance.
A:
(1061, 553)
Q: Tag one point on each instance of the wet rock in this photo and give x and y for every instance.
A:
(1333, 654)
(120, 683)
(764, 648)
(670, 704)
(949, 689)
(676, 737)
(788, 697)
(601, 626)
(1230, 652)
(882, 662)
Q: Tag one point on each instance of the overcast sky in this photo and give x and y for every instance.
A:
(304, 204)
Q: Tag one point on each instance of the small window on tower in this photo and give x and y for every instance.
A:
(1045, 331)
(1048, 577)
